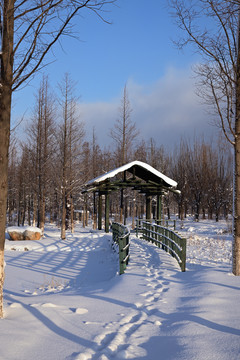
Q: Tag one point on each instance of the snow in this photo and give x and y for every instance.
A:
(21, 229)
(64, 300)
(125, 167)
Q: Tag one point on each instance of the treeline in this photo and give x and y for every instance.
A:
(48, 169)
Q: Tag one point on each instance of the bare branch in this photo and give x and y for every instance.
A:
(38, 29)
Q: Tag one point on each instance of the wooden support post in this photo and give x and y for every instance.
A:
(159, 209)
(125, 210)
(133, 210)
(94, 212)
(107, 212)
(100, 211)
(148, 207)
(121, 206)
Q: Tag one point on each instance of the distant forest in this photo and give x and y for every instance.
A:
(48, 170)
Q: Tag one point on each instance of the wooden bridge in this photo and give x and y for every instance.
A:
(164, 238)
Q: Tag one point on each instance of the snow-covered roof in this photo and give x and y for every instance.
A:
(142, 170)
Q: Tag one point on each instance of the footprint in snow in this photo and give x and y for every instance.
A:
(79, 311)
(146, 293)
(165, 282)
(80, 356)
(49, 305)
(45, 305)
(15, 305)
(151, 310)
(138, 305)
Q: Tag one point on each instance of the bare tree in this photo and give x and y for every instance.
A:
(124, 131)
(12, 181)
(180, 174)
(41, 133)
(29, 31)
(212, 27)
(70, 140)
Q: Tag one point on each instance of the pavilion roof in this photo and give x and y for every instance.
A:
(153, 179)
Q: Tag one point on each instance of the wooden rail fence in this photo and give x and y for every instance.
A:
(165, 238)
(120, 234)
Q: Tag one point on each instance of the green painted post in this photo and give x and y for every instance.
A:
(127, 251)
(173, 237)
(159, 209)
(155, 235)
(100, 211)
(138, 226)
(144, 232)
(122, 254)
(159, 236)
(121, 267)
(107, 213)
(183, 257)
(148, 207)
(94, 211)
(167, 241)
(148, 231)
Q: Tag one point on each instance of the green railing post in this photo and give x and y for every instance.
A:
(184, 250)
(121, 237)
(121, 255)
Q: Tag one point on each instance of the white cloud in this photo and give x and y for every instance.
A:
(165, 110)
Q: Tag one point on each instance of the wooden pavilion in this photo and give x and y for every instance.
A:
(136, 175)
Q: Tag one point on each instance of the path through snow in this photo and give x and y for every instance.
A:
(65, 300)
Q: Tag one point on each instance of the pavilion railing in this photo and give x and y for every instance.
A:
(164, 238)
(120, 234)
(168, 223)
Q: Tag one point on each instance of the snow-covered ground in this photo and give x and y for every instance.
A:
(64, 300)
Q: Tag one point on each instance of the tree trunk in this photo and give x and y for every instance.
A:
(236, 236)
(72, 214)
(34, 209)
(63, 225)
(5, 106)
(5, 115)
(29, 212)
(236, 230)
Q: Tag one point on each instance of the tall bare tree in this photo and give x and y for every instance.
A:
(41, 133)
(29, 31)
(71, 137)
(212, 27)
(124, 131)
(12, 181)
(180, 174)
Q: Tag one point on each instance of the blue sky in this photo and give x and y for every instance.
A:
(136, 49)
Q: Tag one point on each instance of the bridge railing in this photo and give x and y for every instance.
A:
(164, 238)
(120, 234)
